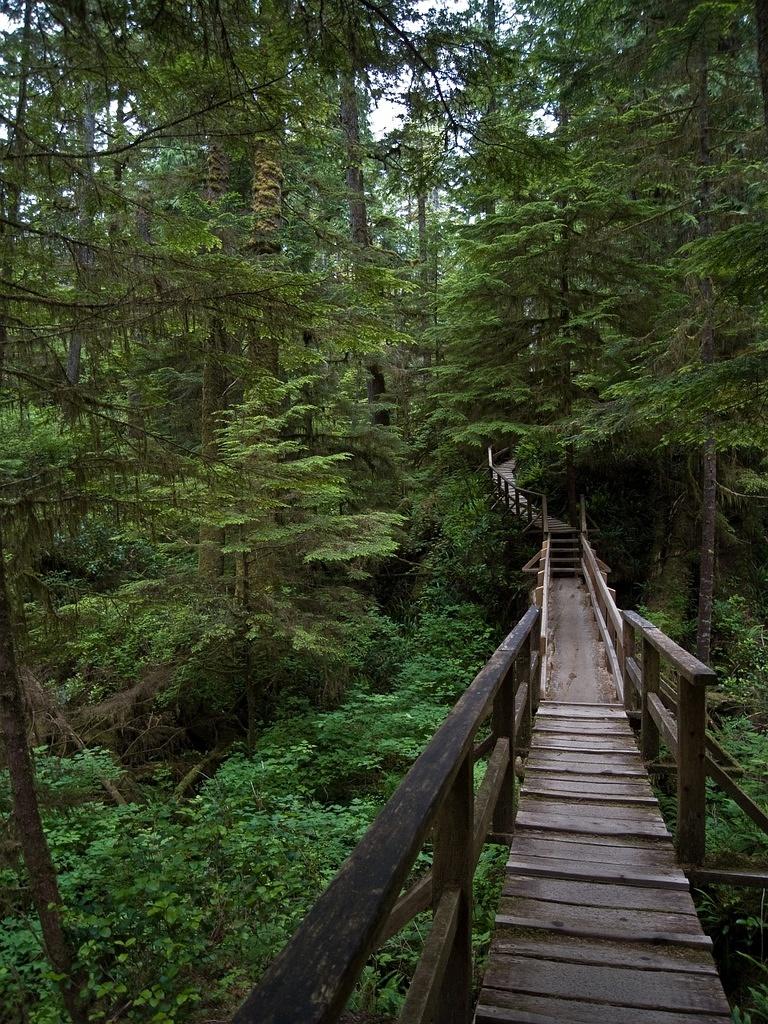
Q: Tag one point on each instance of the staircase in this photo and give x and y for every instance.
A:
(565, 552)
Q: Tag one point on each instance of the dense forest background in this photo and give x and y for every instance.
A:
(272, 276)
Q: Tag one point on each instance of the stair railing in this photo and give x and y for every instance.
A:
(524, 504)
(313, 977)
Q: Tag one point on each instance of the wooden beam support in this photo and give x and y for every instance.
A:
(649, 733)
(690, 837)
(452, 869)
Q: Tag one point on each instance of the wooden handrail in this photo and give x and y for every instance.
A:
(681, 661)
(607, 614)
(721, 774)
(685, 738)
(313, 977)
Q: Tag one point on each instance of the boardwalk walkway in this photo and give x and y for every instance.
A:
(596, 922)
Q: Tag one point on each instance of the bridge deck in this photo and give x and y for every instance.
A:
(596, 921)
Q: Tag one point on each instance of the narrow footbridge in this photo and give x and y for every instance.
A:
(596, 922)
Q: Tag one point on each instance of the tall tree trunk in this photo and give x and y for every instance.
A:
(266, 220)
(761, 21)
(491, 18)
(43, 884)
(82, 252)
(210, 561)
(350, 122)
(349, 111)
(707, 354)
(567, 399)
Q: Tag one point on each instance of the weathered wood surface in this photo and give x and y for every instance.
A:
(596, 921)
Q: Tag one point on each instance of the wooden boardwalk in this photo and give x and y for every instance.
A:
(596, 922)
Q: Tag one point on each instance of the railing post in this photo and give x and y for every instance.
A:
(535, 644)
(452, 869)
(517, 503)
(506, 490)
(583, 514)
(690, 838)
(503, 727)
(523, 679)
(544, 516)
(628, 651)
(649, 732)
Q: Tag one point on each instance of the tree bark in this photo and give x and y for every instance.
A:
(491, 18)
(377, 389)
(761, 22)
(210, 560)
(358, 220)
(707, 355)
(82, 253)
(43, 883)
(350, 122)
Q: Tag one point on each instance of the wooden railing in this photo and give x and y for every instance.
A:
(607, 614)
(541, 599)
(528, 506)
(313, 977)
(685, 737)
(672, 708)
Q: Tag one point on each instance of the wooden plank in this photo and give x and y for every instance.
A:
(587, 786)
(644, 989)
(610, 920)
(579, 927)
(583, 704)
(611, 954)
(566, 751)
(595, 826)
(682, 661)
(660, 847)
(548, 804)
(498, 1007)
(757, 877)
(618, 797)
(422, 996)
(628, 874)
(568, 769)
(577, 712)
(582, 726)
(598, 894)
(584, 745)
